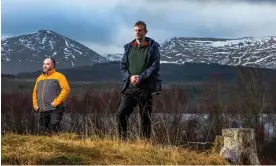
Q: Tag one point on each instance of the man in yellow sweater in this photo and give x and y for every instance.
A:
(50, 91)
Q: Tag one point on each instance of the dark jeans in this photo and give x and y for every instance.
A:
(49, 121)
(129, 100)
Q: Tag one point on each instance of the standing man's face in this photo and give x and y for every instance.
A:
(47, 65)
(139, 32)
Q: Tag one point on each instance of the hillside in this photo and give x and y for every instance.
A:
(188, 72)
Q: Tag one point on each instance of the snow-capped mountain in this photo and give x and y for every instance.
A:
(26, 53)
(113, 57)
(247, 51)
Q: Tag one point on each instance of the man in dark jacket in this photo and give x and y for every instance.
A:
(139, 67)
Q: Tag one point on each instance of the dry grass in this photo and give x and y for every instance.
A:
(71, 149)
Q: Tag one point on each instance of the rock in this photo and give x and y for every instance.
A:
(239, 146)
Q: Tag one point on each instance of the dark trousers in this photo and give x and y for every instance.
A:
(129, 100)
(49, 121)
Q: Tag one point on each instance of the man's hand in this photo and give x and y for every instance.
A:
(53, 104)
(36, 108)
(134, 79)
(137, 79)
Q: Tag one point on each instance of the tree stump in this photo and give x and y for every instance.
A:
(218, 144)
(239, 146)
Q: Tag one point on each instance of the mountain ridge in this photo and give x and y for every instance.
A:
(245, 51)
(25, 53)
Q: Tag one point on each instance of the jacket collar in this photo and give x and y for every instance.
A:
(135, 44)
(150, 42)
(48, 73)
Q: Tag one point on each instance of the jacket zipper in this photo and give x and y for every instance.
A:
(43, 94)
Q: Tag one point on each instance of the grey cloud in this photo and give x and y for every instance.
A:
(165, 19)
(81, 28)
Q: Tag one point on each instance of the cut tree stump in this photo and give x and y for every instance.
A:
(217, 144)
(239, 146)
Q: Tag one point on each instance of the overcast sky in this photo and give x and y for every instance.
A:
(106, 25)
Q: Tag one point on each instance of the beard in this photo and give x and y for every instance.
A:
(46, 69)
(139, 37)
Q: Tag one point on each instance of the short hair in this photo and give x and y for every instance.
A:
(53, 60)
(139, 23)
